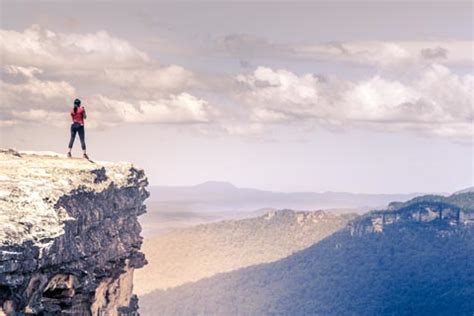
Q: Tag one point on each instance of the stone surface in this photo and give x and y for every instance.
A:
(69, 235)
(453, 210)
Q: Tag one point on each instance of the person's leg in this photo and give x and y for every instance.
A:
(71, 140)
(82, 137)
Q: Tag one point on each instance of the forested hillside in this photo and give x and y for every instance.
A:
(415, 259)
(190, 254)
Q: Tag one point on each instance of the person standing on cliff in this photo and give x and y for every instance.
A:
(78, 115)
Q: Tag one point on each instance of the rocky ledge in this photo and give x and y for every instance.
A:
(69, 235)
(449, 211)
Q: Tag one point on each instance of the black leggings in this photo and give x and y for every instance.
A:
(78, 128)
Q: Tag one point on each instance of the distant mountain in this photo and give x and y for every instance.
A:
(223, 196)
(215, 186)
(414, 259)
(466, 190)
(160, 220)
(191, 254)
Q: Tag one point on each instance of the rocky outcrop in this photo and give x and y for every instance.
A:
(452, 210)
(69, 235)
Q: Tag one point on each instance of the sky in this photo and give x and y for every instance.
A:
(373, 97)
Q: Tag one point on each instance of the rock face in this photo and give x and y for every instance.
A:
(453, 210)
(69, 235)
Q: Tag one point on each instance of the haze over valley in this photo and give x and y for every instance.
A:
(193, 253)
(172, 207)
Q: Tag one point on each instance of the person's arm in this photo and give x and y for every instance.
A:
(85, 114)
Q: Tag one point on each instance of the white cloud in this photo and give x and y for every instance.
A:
(93, 61)
(176, 109)
(28, 72)
(293, 93)
(149, 82)
(121, 84)
(376, 99)
(438, 102)
(46, 49)
(27, 91)
(106, 72)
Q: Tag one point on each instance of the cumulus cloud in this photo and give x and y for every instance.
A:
(28, 72)
(124, 85)
(176, 109)
(45, 49)
(25, 98)
(93, 61)
(438, 102)
(274, 96)
(119, 80)
(20, 88)
(150, 82)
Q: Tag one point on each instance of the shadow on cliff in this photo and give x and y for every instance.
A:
(412, 267)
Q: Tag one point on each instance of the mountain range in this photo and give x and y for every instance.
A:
(224, 196)
(178, 207)
(413, 258)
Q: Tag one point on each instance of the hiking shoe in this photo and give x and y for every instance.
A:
(69, 155)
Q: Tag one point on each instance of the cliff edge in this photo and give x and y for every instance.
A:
(454, 210)
(69, 235)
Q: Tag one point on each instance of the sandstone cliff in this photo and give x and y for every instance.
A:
(457, 209)
(69, 235)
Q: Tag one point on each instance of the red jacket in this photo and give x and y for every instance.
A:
(78, 117)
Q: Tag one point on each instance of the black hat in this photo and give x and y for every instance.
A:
(77, 102)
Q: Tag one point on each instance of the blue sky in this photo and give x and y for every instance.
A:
(341, 96)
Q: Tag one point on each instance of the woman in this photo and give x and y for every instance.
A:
(78, 115)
